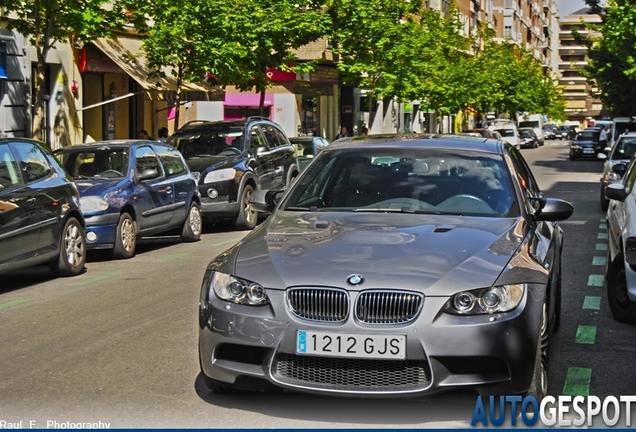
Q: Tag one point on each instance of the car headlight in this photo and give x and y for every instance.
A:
(237, 290)
(611, 176)
(496, 299)
(220, 175)
(93, 204)
(575, 146)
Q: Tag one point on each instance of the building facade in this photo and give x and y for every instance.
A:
(581, 107)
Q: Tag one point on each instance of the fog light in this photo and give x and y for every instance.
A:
(91, 236)
(213, 193)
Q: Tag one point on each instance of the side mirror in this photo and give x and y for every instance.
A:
(265, 200)
(260, 150)
(615, 191)
(601, 156)
(620, 169)
(555, 210)
(148, 174)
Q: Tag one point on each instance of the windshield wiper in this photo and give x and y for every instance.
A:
(401, 210)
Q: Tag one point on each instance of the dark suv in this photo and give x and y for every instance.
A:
(231, 160)
(40, 217)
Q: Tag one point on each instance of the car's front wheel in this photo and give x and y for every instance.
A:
(623, 309)
(191, 230)
(72, 256)
(126, 237)
(539, 385)
(247, 216)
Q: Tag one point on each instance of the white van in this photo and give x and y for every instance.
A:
(620, 126)
(508, 132)
(534, 121)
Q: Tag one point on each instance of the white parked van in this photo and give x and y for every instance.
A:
(534, 121)
(620, 126)
(508, 133)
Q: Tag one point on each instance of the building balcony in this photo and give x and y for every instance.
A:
(572, 50)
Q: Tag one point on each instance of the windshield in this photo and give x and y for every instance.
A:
(104, 162)
(532, 124)
(221, 140)
(526, 133)
(588, 136)
(405, 180)
(506, 132)
(624, 148)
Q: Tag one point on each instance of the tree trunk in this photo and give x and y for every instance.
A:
(178, 98)
(262, 103)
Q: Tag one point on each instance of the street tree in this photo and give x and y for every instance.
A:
(611, 67)
(47, 23)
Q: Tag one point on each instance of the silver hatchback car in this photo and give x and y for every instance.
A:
(393, 266)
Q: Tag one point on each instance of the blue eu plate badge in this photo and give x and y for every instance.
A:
(302, 342)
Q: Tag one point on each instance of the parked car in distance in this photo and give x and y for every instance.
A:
(622, 152)
(549, 131)
(40, 217)
(527, 138)
(534, 121)
(586, 144)
(231, 160)
(307, 147)
(565, 133)
(452, 229)
(483, 132)
(130, 189)
(620, 274)
(509, 133)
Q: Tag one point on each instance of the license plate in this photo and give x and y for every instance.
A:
(351, 345)
(588, 150)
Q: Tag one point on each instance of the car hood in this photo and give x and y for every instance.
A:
(98, 186)
(434, 254)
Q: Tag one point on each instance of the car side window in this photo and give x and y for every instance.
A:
(146, 159)
(528, 184)
(270, 136)
(172, 161)
(630, 177)
(32, 161)
(282, 139)
(9, 171)
(256, 139)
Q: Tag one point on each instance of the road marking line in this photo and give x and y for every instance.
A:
(12, 303)
(585, 335)
(97, 279)
(226, 242)
(577, 381)
(602, 226)
(602, 236)
(599, 260)
(592, 302)
(172, 257)
(601, 246)
(595, 280)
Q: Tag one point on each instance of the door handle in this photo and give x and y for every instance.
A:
(30, 200)
(278, 170)
(166, 190)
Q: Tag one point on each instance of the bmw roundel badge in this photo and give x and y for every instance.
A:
(355, 279)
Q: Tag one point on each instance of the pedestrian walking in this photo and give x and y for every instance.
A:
(602, 139)
(163, 134)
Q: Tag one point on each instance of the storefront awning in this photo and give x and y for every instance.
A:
(126, 51)
(247, 99)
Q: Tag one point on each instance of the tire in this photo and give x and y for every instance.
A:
(557, 306)
(572, 157)
(604, 201)
(535, 144)
(539, 385)
(247, 217)
(72, 256)
(192, 227)
(126, 237)
(623, 309)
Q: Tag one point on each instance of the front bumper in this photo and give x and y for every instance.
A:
(585, 152)
(496, 353)
(101, 230)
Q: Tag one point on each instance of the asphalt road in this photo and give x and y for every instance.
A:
(118, 344)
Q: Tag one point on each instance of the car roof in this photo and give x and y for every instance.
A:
(301, 139)
(429, 141)
(195, 124)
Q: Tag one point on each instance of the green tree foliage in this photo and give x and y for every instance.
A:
(612, 56)
(49, 22)
(511, 80)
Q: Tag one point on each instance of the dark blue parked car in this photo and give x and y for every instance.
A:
(131, 189)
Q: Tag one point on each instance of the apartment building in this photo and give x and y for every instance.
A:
(580, 105)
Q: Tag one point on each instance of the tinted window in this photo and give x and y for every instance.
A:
(210, 140)
(282, 139)
(588, 135)
(506, 132)
(9, 170)
(256, 139)
(270, 135)
(625, 148)
(406, 179)
(32, 161)
(146, 159)
(172, 161)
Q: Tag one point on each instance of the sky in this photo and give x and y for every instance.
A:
(566, 7)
